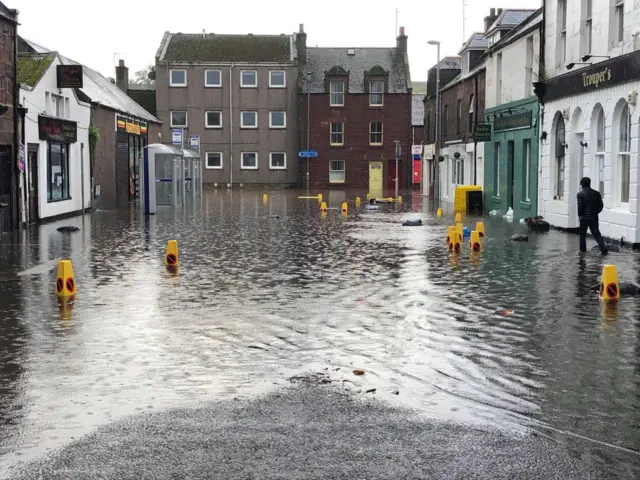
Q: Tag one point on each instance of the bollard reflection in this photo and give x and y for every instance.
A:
(65, 308)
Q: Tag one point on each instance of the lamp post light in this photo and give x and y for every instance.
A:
(437, 149)
(308, 122)
(398, 153)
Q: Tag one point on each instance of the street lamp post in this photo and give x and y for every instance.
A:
(397, 142)
(308, 122)
(437, 149)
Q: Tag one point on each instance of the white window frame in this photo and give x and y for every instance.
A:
(206, 119)
(498, 81)
(242, 166)
(372, 93)
(242, 84)
(624, 156)
(176, 84)
(618, 27)
(526, 190)
(562, 11)
(344, 172)
(206, 161)
(332, 133)
(457, 170)
(332, 92)
(271, 166)
(186, 119)
(212, 85)
(381, 132)
(588, 27)
(278, 127)
(272, 85)
(601, 130)
(242, 125)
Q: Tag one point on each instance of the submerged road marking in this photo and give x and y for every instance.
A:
(40, 268)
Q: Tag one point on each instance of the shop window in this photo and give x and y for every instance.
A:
(57, 172)
(559, 159)
(337, 133)
(277, 79)
(336, 171)
(213, 160)
(249, 161)
(496, 169)
(212, 78)
(624, 154)
(177, 78)
(600, 149)
(526, 172)
(375, 133)
(277, 160)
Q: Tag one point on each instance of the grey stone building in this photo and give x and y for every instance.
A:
(239, 93)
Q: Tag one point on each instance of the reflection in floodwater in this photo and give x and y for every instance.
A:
(510, 335)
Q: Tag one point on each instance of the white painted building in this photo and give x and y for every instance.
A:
(590, 121)
(57, 164)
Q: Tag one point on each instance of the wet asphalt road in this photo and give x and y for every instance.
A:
(508, 342)
(306, 432)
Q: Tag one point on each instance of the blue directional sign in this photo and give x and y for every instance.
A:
(308, 154)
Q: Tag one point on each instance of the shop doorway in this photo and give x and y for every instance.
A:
(34, 197)
(391, 177)
(510, 173)
(375, 179)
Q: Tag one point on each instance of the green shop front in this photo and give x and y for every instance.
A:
(511, 158)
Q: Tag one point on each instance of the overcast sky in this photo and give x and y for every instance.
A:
(90, 32)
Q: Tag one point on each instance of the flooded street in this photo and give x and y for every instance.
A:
(510, 338)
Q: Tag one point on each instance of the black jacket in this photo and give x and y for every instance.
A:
(589, 204)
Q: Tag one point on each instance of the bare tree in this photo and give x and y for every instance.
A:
(143, 78)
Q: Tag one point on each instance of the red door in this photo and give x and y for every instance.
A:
(391, 177)
(417, 165)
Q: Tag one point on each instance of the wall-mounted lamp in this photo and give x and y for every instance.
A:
(573, 64)
(583, 144)
(543, 136)
(587, 57)
(565, 145)
(456, 155)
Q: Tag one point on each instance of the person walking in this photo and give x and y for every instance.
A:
(589, 206)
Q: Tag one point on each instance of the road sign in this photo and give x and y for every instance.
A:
(308, 154)
(416, 149)
(194, 142)
(176, 136)
(482, 132)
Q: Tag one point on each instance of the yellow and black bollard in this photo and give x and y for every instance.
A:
(357, 202)
(458, 218)
(65, 280)
(319, 198)
(323, 207)
(439, 212)
(480, 228)
(451, 233)
(171, 259)
(265, 198)
(344, 210)
(609, 287)
(460, 230)
(474, 243)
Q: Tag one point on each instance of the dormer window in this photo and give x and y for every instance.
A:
(376, 93)
(465, 63)
(336, 93)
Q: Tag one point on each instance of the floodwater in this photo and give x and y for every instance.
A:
(511, 337)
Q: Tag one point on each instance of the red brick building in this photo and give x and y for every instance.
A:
(360, 105)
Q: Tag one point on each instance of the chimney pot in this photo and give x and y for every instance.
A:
(499, 11)
(121, 63)
(492, 12)
(401, 31)
(301, 30)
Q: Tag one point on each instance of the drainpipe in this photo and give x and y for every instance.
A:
(475, 121)
(231, 125)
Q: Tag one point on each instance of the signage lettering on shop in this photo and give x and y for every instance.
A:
(69, 76)
(511, 122)
(54, 129)
(608, 73)
(133, 127)
(482, 132)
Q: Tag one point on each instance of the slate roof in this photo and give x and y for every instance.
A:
(32, 66)
(449, 63)
(477, 41)
(214, 48)
(8, 13)
(417, 110)
(100, 90)
(510, 18)
(461, 77)
(321, 60)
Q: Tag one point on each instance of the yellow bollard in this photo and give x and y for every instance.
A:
(65, 281)
(399, 199)
(171, 259)
(345, 208)
(458, 217)
(319, 198)
(480, 228)
(609, 288)
(475, 241)
(357, 202)
(460, 230)
(265, 198)
(368, 196)
(323, 207)
(454, 245)
(390, 199)
(451, 234)
(439, 212)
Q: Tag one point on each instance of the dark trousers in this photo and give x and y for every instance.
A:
(591, 224)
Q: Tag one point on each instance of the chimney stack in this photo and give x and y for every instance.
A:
(122, 76)
(488, 21)
(401, 42)
(301, 45)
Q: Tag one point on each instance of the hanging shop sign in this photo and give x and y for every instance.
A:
(54, 129)
(128, 125)
(511, 122)
(69, 76)
(482, 132)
